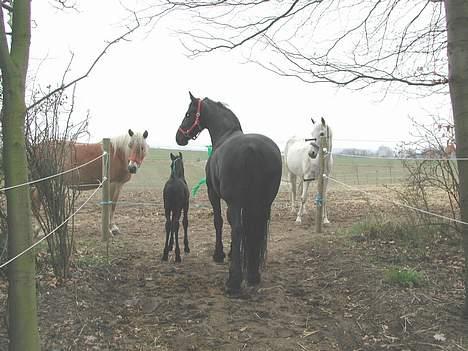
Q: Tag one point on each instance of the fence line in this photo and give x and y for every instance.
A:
(402, 158)
(396, 203)
(53, 175)
(53, 231)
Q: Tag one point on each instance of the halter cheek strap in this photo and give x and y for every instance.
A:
(195, 124)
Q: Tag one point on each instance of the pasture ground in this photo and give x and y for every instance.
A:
(318, 292)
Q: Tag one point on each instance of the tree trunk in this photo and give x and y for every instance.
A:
(23, 329)
(457, 50)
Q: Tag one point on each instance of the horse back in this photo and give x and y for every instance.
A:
(246, 170)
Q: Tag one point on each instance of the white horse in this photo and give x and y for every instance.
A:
(301, 161)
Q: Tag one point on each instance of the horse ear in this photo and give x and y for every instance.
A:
(172, 157)
(312, 120)
(193, 98)
(323, 121)
(145, 134)
(130, 132)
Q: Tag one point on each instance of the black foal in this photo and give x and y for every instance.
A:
(176, 199)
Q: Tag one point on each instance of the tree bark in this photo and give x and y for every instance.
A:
(23, 327)
(457, 51)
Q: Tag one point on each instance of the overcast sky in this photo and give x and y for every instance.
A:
(143, 84)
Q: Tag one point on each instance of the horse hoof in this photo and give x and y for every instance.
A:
(164, 258)
(298, 221)
(115, 230)
(219, 257)
(232, 290)
(254, 280)
(178, 259)
(186, 249)
(326, 221)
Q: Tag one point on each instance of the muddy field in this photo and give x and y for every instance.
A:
(319, 291)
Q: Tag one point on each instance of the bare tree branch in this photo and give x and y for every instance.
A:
(348, 42)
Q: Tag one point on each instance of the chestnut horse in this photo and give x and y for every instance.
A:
(126, 155)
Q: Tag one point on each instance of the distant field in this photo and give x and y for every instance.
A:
(353, 171)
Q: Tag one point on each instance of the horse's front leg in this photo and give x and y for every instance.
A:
(305, 190)
(114, 195)
(325, 212)
(233, 283)
(218, 255)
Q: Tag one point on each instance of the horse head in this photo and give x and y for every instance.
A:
(190, 127)
(138, 149)
(177, 165)
(320, 129)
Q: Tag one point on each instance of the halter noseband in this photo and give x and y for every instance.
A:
(196, 123)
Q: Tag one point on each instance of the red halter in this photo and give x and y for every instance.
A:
(196, 123)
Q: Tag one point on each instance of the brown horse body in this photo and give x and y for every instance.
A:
(126, 154)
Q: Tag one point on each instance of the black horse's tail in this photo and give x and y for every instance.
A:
(255, 216)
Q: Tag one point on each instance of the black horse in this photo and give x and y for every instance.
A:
(176, 199)
(245, 171)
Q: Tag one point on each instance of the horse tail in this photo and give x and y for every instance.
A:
(255, 215)
(255, 239)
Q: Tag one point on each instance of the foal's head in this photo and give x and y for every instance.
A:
(137, 150)
(319, 130)
(177, 165)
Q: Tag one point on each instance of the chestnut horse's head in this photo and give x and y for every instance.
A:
(137, 150)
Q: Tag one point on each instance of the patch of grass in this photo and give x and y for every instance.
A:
(87, 261)
(405, 277)
(407, 231)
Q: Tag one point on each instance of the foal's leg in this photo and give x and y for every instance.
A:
(305, 190)
(233, 284)
(167, 213)
(175, 230)
(218, 255)
(185, 224)
(114, 195)
(292, 188)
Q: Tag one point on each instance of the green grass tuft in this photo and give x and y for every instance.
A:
(405, 277)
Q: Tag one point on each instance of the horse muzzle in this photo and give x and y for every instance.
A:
(181, 139)
(132, 169)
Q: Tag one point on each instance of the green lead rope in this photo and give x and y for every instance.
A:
(203, 180)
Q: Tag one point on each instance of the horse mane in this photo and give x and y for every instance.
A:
(223, 107)
(120, 143)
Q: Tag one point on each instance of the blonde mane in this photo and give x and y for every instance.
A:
(121, 143)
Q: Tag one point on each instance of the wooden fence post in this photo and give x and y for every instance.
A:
(106, 203)
(319, 197)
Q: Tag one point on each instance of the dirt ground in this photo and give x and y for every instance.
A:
(318, 292)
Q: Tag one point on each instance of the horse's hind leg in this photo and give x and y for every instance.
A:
(219, 254)
(233, 283)
(185, 225)
(175, 230)
(305, 190)
(168, 233)
(292, 190)
(114, 195)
